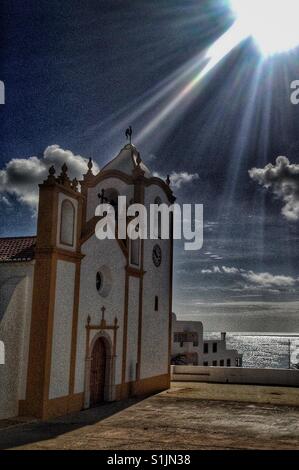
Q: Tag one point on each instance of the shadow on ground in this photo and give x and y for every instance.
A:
(22, 434)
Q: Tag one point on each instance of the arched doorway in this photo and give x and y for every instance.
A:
(98, 372)
(99, 382)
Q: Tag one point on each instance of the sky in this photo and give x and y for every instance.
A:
(77, 73)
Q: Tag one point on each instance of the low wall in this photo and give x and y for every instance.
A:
(237, 375)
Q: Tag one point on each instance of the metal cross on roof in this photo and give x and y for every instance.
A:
(102, 197)
(129, 133)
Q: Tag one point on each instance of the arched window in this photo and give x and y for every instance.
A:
(67, 223)
(158, 220)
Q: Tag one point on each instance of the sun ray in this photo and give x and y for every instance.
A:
(165, 104)
(215, 54)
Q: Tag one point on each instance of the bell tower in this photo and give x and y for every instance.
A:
(52, 344)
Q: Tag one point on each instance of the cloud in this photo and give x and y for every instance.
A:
(214, 270)
(222, 270)
(5, 201)
(269, 280)
(254, 280)
(283, 180)
(150, 158)
(21, 176)
(177, 180)
(230, 270)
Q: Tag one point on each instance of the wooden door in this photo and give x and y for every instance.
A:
(97, 372)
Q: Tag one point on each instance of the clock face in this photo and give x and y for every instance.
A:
(157, 255)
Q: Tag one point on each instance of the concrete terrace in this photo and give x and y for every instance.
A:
(188, 416)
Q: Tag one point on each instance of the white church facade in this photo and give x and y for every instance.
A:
(85, 320)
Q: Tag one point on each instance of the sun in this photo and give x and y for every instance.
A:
(273, 24)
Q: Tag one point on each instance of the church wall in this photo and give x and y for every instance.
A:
(99, 254)
(15, 316)
(132, 336)
(63, 318)
(155, 324)
(93, 201)
(62, 330)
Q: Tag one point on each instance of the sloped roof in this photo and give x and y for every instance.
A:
(126, 161)
(13, 249)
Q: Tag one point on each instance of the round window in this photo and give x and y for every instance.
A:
(99, 281)
(103, 281)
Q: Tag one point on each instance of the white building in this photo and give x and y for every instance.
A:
(84, 320)
(216, 354)
(190, 347)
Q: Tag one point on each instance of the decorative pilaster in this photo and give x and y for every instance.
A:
(48, 251)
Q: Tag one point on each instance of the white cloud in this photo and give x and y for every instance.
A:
(150, 158)
(222, 270)
(230, 270)
(179, 179)
(214, 270)
(254, 280)
(5, 201)
(269, 280)
(21, 176)
(283, 180)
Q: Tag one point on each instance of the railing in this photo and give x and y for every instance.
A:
(235, 375)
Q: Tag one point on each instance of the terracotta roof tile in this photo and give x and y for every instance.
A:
(14, 249)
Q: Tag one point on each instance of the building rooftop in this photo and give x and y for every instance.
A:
(126, 161)
(14, 249)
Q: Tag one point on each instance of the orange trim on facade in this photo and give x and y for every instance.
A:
(94, 180)
(139, 198)
(41, 336)
(57, 406)
(125, 334)
(75, 328)
(43, 300)
(170, 294)
(143, 387)
(44, 294)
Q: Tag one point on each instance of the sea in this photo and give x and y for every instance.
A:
(263, 351)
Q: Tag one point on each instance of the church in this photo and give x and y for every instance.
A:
(83, 320)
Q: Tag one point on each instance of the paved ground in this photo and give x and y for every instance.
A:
(180, 418)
